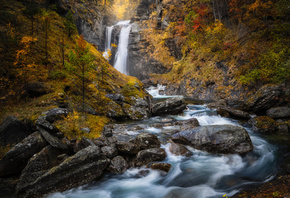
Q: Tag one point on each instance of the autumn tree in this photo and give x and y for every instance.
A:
(81, 67)
(31, 10)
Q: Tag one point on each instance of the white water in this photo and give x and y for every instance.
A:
(122, 53)
(203, 175)
(108, 47)
(155, 92)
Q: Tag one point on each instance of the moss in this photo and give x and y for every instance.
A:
(264, 122)
(133, 88)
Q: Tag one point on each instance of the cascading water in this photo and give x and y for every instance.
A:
(108, 47)
(122, 53)
(199, 176)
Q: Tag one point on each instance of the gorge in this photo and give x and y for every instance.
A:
(144, 98)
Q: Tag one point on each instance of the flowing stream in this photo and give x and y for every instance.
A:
(199, 176)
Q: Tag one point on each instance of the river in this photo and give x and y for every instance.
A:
(199, 176)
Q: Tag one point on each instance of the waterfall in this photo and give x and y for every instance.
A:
(122, 53)
(108, 41)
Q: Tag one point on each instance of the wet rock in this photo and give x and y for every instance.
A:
(8, 186)
(109, 151)
(279, 112)
(264, 99)
(137, 108)
(187, 124)
(178, 149)
(13, 131)
(230, 112)
(216, 139)
(160, 166)
(16, 159)
(79, 169)
(38, 165)
(118, 98)
(150, 155)
(118, 165)
(127, 147)
(169, 106)
(263, 124)
(52, 140)
(108, 130)
(147, 140)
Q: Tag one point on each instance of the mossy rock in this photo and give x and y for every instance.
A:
(263, 124)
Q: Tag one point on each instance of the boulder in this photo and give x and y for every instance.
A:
(187, 124)
(263, 124)
(16, 159)
(36, 89)
(81, 144)
(127, 147)
(216, 139)
(160, 166)
(146, 141)
(79, 169)
(265, 98)
(109, 151)
(118, 98)
(108, 130)
(118, 165)
(53, 115)
(38, 165)
(169, 106)
(51, 139)
(230, 112)
(13, 131)
(116, 111)
(46, 126)
(279, 112)
(150, 155)
(178, 149)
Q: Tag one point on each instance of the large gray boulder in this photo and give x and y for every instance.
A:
(127, 147)
(79, 169)
(169, 106)
(279, 112)
(264, 99)
(52, 115)
(118, 165)
(13, 131)
(216, 139)
(38, 165)
(16, 159)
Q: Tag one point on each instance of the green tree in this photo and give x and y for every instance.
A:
(81, 67)
(69, 24)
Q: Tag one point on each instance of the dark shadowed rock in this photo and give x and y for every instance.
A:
(279, 112)
(13, 131)
(83, 143)
(178, 149)
(118, 165)
(230, 112)
(127, 147)
(79, 169)
(38, 165)
(109, 151)
(150, 155)
(16, 159)
(169, 106)
(160, 166)
(108, 130)
(263, 124)
(118, 98)
(47, 126)
(52, 140)
(36, 89)
(216, 139)
(147, 140)
(264, 99)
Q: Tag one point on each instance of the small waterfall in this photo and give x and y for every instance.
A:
(122, 53)
(108, 47)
